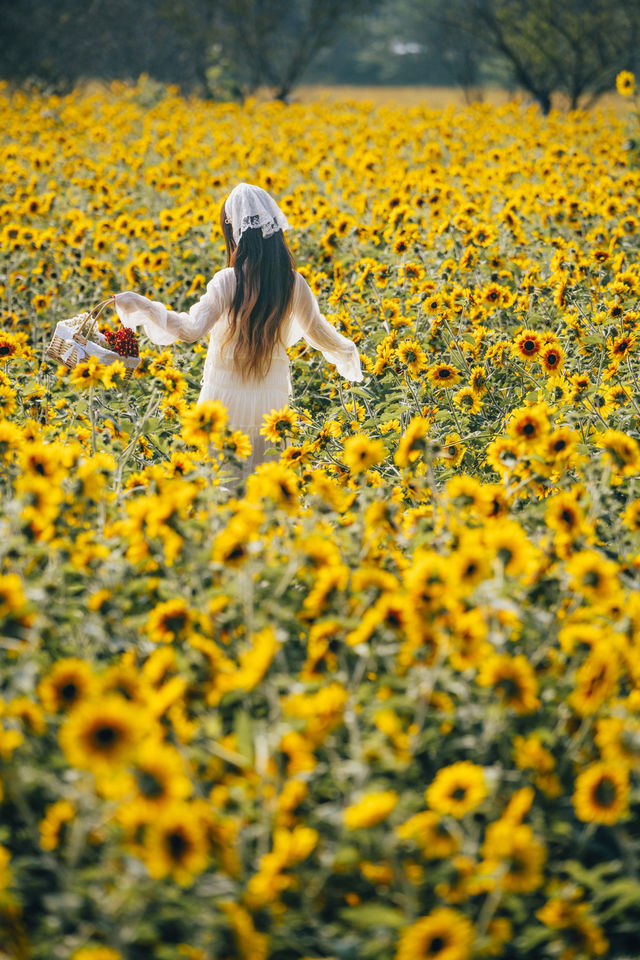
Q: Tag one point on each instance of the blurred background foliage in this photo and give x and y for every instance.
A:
(228, 49)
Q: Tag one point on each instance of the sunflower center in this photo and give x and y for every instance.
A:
(177, 845)
(105, 736)
(149, 785)
(175, 623)
(459, 794)
(591, 579)
(69, 692)
(505, 555)
(559, 445)
(236, 553)
(529, 346)
(510, 688)
(605, 793)
(528, 429)
(436, 946)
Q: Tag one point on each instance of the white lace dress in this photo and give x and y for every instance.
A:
(247, 399)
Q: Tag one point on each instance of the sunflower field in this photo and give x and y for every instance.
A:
(381, 701)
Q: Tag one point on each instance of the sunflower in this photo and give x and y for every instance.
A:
(68, 683)
(453, 450)
(276, 482)
(204, 423)
(478, 381)
(593, 575)
(412, 356)
(527, 345)
(413, 443)
(579, 384)
(631, 515)
(159, 776)
(552, 358)
(559, 447)
(443, 375)
(602, 793)
(371, 809)
(168, 621)
(175, 843)
(457, 789)
(529, 425)
(432, 835)
(444, 934)
(362, 452)
(103, 734)
(467, 399)
(98, 952)
(565, 516)
(87, 374)
(596, 681)
(503, 455)
(508, 543)
(621, 450)
(513, 850)
(280, 424)
(513, 679)
(626, 83)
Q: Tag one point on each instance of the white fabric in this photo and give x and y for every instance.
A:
(247, 399)
(248, 206)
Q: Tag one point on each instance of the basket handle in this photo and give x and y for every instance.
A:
(92, 317)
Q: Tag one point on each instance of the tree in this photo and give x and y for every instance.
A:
(574, 47)
(273, 42)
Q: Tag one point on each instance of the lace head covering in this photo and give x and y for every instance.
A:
(248, 206)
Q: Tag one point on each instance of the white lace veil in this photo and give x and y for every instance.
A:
(249, 206)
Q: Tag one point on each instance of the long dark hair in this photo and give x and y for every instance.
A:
(265, 271)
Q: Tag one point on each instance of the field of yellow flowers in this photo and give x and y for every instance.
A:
(382, 702)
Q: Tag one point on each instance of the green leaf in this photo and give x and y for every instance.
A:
(371, 915)
(243, 730)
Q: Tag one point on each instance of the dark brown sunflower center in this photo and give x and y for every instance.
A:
(106, 736)
(605, 793)
(175, 623)
(510, 688)
(149, 785)
(177, 845)
(69, 692)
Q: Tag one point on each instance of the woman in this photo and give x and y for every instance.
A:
(254, 309)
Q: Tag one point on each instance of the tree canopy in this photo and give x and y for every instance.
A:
(230, 48)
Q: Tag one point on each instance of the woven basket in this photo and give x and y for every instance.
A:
(74, 340)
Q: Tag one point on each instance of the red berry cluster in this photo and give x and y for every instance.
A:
(123, 341)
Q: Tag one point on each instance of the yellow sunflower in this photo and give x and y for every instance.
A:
(176, 844)
(444, 934)
(101, 735)
(457, 789)
(513, 679)
(626, 83)
(68, 682)
(602, 793)
(362, 452)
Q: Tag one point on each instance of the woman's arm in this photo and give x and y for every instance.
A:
(164, 326)
(309, 323)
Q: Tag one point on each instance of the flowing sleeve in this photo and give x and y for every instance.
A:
(164, 326)
(308, 322)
